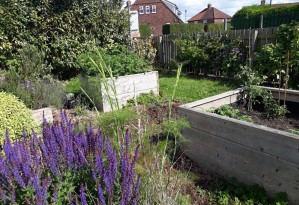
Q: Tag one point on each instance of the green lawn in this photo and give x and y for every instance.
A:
(191, 89)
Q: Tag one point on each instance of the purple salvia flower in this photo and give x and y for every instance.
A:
(4, 170)
(36, 186)
(82, 196)
(46, 184)
(99, 164)
(107, 182)
(26, 160)
(127, 138)
(13, 196)
(135, 192)
(101, 195)
(100, 140)
(93, 174)
(2, 195)
(55, 194)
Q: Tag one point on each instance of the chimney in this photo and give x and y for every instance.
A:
(209, 6)
(263, 2)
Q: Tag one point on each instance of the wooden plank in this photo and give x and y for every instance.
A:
(206, 158)
(223, 162)
(257, 159)
(274, 142)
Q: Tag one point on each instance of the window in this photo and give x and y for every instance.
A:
(154, 9)
(205, 21)
(147, 9)
(141, 11)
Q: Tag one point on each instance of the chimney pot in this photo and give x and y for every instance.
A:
(209, 5)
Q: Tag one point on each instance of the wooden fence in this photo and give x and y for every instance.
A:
(167, 48)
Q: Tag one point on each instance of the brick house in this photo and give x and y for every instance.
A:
(156, 13)
(209, 15)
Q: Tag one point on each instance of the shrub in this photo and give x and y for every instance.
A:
(145, 49)
(64, 165)
(249, 16)
(68, 28)
(118, 58)
(14, 116)
(36, 93)
(145, 30)
(182, 28)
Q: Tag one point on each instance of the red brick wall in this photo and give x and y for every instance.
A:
(158, 19)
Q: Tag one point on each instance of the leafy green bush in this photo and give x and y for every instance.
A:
(118, 58)
(36, 93)
(182, 28)
(212, 54)
(229, 111)
(14, 116)
(145, 30)
(249, 16)
(62, 29)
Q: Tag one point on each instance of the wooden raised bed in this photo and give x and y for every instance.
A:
(253, 154)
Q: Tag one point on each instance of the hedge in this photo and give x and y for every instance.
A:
(145, 30)
(62, 29)
(191, 28)
(272, 16)
(181, 28)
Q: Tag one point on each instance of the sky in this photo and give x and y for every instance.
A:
(229, 7)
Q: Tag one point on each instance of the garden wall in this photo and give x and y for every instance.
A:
(251, 153)
(129, 86)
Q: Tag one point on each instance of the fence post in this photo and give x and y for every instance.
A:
(225, 24)
(262, 21)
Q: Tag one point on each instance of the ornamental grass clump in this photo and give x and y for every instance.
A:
(64, 166)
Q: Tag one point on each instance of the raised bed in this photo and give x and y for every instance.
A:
(129, 86)
(252, 153)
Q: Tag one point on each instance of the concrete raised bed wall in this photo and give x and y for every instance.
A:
(251, 153)
(129, 86)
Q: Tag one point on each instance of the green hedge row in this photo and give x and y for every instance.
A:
(192, 28)
(145, 30)
(181, 28)
(272, 16)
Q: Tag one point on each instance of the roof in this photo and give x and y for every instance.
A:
(210, 13)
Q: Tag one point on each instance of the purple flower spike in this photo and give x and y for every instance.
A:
(101, 195)
(135, 193)
(82, 196)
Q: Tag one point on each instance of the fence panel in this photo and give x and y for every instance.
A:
(167, 48)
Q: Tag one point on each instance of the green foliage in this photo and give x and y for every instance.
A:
(29, 63)
(145, 30)
(14, 116)
(294, 132)
(36, 93)
(217, 27)
(145, 49)
(182, 28)
(236, 193)
(229, 111)
(117, 119)
(118, 58)
(92, 87)
(249, 16)
(212, 54)
(149, 99)
(62, 29)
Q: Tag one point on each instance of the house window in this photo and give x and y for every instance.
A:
(141, 11)
(154, 9)
(204, 21)
(147, 9)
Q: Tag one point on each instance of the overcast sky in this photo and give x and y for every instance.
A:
(227, 6)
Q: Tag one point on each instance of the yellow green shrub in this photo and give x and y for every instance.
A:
(14, 116)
